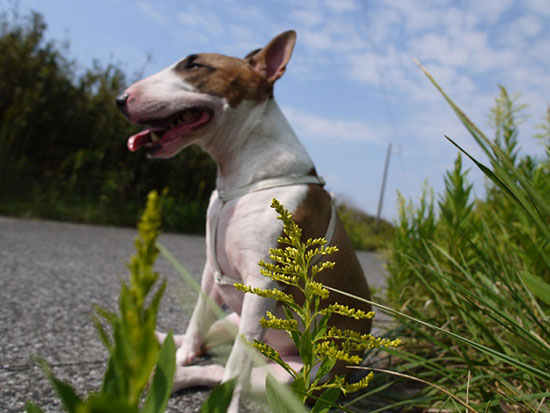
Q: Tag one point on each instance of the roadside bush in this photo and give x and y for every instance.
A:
(63, 148)
(362, 228)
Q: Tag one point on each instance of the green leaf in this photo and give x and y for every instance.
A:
(537, 286)
(111, 379)
(298, 385)
(322, 326)
(65, 392)
(158, 396)
(103, 335)
(32, 408)
(219, 398)
(490, 174)
(306, 348)
(155, 302)
(326, 366)
(326, 401)
(110, 317)
(277, 403)
(103, 403)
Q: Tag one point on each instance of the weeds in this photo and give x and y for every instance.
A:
(481, 270)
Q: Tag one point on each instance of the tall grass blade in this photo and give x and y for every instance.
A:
(504, 181)
(409, 377)
(544, 375)
(539, 287)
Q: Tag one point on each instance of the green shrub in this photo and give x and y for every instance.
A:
(362, 229)
(63, 148)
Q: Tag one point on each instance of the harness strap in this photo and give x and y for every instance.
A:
(230, 194)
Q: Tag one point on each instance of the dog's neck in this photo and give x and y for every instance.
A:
(256, 143)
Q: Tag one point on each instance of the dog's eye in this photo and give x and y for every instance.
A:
(193, 65)
(189, 63)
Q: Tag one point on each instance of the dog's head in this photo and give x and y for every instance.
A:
(187, 102)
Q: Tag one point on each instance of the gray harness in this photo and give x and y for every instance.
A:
(230, 194)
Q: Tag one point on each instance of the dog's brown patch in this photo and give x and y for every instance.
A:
(225, 77)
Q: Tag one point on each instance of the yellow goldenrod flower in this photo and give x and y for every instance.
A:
(273, 293)
(348, 312)
(361, 384)
(278, 323)
(317, 289)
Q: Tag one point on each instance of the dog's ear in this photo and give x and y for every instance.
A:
(272, 59)
(252, 53)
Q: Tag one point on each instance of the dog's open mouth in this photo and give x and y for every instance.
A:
(163, 132)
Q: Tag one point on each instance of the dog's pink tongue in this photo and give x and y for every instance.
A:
(138, 140)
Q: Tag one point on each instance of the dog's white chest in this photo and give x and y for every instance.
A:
(241, 231)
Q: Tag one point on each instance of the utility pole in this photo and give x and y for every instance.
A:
(382, 190)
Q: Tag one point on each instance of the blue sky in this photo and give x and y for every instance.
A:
(352, 86)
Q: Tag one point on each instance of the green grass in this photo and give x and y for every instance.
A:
(475, 276)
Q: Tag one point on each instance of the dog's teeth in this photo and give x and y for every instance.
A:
(154, 137)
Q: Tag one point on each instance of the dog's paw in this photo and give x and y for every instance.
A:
(197, 376)
(178, 339)
(191, 347)
(185, 354)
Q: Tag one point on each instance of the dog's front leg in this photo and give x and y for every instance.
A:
(202, 318)
(239, 364)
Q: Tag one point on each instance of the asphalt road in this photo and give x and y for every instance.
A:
(50, 276)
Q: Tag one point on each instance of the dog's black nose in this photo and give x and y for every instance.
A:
(121, 100)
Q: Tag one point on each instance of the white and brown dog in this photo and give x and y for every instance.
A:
(225, 105)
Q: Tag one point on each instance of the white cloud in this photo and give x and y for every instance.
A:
(306, 17)
(540, 7)
(316, 39)
(252, 14)
(153, 13)
(205, 21)
(539, 50)
(528, 25)
(310, 124)
(488, 11)
(341, 5)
